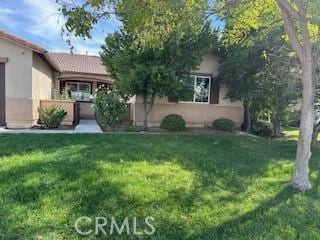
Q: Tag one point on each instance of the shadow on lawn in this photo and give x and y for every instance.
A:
(72, 179)
(287, 215)
(231, 160)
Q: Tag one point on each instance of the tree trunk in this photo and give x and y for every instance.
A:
(276, 122)
(301, 174)
(147, 110)
(247, 117)
(248, 120)
(293, 16)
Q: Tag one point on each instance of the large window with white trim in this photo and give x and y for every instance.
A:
(79, 91)
(198, 89)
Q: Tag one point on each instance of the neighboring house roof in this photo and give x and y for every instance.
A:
(22, 42)
(76, 63)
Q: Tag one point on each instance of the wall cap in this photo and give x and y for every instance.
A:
(3, 60)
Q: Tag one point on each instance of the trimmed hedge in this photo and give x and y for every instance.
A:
(173, 122)
(224, 124)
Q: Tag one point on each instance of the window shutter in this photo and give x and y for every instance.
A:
(172, 99)
(214, 92)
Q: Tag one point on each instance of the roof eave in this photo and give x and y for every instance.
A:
(85, 73)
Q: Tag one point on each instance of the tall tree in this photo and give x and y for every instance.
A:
(261, 71)
(149, 72)
(238, 72)
(279, 80)
(300, 22)
(295, 18)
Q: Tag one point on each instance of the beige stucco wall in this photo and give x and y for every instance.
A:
(86, 111)
(28, 79)
(209, 65)
(195, 114)
(19, 103)
(68, 106)
(42, 82)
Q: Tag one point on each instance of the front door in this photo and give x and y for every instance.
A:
(2, 95)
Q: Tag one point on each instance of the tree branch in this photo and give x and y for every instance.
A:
(290, 29)
(286, 5)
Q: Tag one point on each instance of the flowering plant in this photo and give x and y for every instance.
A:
(109, 107)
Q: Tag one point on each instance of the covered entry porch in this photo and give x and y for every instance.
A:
(81, 90)
(79, 76)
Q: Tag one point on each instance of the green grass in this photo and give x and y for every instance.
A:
(293, 133)
(196, 187)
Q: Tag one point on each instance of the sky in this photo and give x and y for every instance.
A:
(40, 22)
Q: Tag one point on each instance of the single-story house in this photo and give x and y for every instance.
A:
(29, 75)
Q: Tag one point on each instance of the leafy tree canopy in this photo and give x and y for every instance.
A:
(149, 21)
(160, 69)
(246, 17)
(149, 72)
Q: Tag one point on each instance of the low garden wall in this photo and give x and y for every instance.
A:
(68, 106)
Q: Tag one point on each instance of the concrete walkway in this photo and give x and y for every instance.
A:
(88, 126)
(85, 126)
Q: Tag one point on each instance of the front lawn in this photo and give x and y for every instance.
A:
(195, 187)
(292, 133)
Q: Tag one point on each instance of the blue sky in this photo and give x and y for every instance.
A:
(39, 22)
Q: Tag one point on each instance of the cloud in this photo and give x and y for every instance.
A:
(45, 17)
(41, 23)
(5, 11)
(5, 17)
(47, 23)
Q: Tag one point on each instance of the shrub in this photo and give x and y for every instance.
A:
(109, 107)
(52, 116)
(224, 124)
(262, 129)
(173, 122)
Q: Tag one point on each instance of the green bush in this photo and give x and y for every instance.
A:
(173, 122)
(224, 124)
(109, 107)
(262, 129)
(52, 116)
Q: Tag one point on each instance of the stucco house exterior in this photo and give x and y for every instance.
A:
(30, 75)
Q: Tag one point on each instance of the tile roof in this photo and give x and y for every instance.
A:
(22, 42)
(62, 62)
(76, 63)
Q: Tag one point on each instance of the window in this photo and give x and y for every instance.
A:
(198, 89)
(79, 91)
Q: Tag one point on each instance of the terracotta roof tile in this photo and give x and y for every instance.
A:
(63, 62)
(22, 42)
(76, 63)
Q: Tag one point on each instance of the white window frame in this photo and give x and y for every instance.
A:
(194, 88)
(78, 87)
